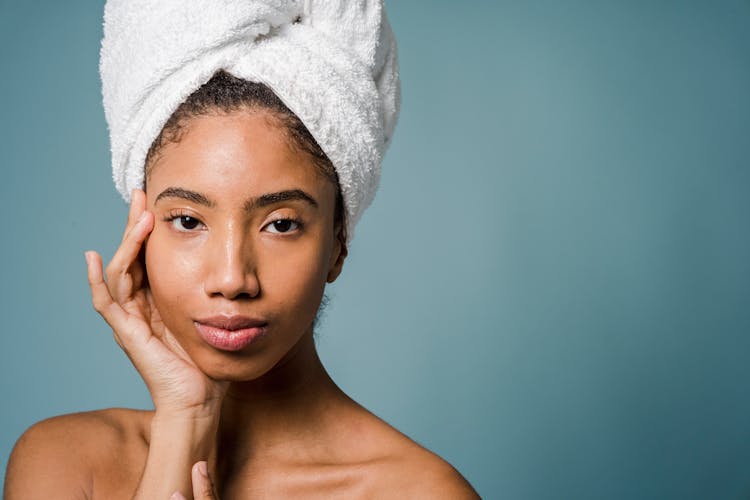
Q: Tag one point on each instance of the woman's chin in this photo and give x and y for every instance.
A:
(230, 368)
(253, 363)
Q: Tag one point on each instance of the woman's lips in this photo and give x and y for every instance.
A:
(230, 333)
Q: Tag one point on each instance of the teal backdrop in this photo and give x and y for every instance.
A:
(552, 288)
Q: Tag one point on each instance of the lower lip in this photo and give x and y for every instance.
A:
(229, 340)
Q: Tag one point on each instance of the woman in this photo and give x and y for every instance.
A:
(244, 215)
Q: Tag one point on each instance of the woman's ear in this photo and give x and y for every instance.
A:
(338, 256)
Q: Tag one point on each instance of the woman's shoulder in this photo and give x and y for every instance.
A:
(84, 435)
(413, 471)
(72, 450)
(420, 473)
(424, 474)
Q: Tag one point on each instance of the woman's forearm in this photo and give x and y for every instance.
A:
(177, 442)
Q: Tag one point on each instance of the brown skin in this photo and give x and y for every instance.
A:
(265, 421)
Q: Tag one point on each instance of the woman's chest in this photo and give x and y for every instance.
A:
(305, 482)
(269, 481)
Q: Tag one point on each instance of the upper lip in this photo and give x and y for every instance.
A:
(235, 322)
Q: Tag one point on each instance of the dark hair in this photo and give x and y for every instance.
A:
(227, 93)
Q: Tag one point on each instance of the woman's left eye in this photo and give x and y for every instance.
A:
(281, 226)
(184, 223)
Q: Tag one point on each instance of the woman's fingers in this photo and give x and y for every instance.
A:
(131, 333)
(123, 274)
(203, 488)
(100, 296)
(137, 205)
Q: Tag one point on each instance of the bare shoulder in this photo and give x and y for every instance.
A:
(64, 455)
(420, 473)
(410, 470)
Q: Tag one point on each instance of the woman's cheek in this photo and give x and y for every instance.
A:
(169, 270)
(305, 279)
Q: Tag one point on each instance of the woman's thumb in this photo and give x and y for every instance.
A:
(203, 489)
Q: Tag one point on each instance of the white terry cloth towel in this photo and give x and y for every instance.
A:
(332, 62)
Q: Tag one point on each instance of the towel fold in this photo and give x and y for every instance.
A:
(332, 62)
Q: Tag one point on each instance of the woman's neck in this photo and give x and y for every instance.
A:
(294, 402)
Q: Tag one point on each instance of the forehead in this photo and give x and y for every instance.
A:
(245, 152)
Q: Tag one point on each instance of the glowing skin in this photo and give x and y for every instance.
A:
(268, 260)
(236, 232)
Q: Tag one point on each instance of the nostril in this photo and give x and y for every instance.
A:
(234, 294)
(232, 284)
(246, 295)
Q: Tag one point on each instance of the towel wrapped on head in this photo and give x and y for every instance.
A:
(332, 62)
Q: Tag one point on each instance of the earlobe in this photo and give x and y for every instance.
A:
(338, 262)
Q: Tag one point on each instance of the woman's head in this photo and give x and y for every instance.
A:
(248, 222)
(233, 167)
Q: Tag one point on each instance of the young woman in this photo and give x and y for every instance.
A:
(242, 220)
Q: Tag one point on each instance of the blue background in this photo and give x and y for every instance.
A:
(552, 288)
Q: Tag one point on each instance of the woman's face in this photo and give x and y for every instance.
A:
(244, 227)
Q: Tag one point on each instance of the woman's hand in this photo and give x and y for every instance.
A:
(203, 488)
(125, 302)
(187, 402)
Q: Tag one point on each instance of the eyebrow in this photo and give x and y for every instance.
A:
(185, 194)
(261, 201)
(288, 195)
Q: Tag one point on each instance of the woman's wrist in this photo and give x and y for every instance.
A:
(206, 413)
(178, 440)
(192, 435)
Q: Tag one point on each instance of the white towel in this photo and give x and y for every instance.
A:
(332, 62)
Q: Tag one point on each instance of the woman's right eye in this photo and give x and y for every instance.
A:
(184, 223)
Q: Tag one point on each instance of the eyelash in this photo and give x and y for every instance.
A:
(295, 222)
(171, 217)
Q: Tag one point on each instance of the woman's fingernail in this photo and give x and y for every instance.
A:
(141, 217)
(87, 256)
(177, 496)
(202, 469)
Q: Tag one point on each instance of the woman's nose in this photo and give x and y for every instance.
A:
(232, 271)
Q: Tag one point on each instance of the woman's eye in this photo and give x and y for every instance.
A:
(184, 223)
(282, 226)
